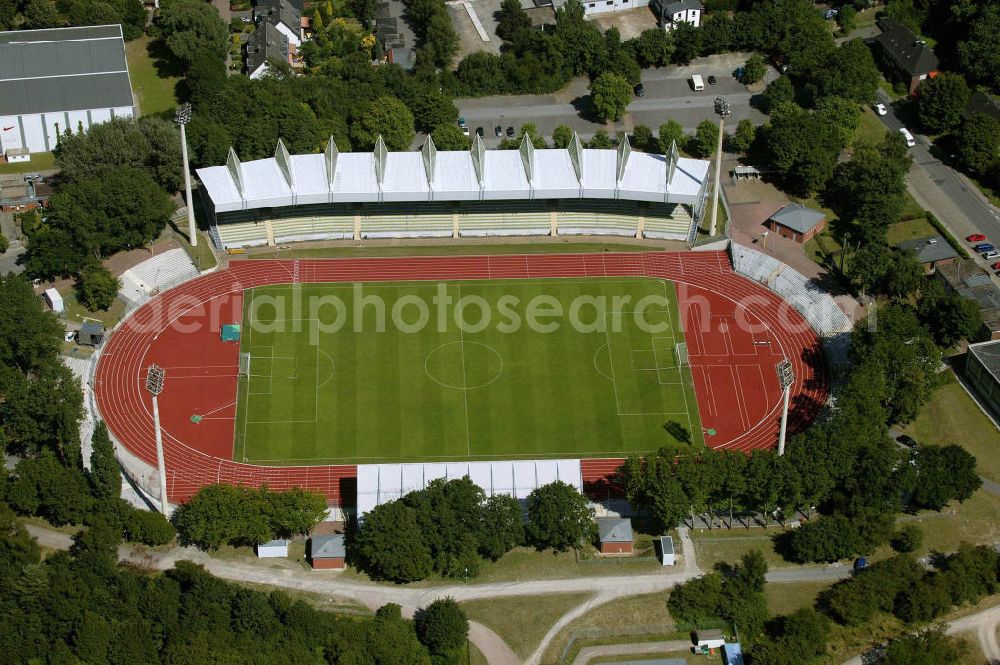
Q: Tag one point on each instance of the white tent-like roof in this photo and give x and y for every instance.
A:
(381, 483)
(474, 175)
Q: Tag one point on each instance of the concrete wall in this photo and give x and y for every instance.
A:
(39, 132)
(606, 6)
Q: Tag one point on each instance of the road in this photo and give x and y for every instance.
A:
(939, 188)
(668, 96)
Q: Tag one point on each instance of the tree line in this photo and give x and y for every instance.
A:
(81, 606)
(38, 14)
(451, 527)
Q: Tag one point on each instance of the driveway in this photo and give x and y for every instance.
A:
(668, 97)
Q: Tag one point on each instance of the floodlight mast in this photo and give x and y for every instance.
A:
(182, 117)
(786, 377)
(154, 384)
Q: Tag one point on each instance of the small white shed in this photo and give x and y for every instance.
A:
(273, 549)
(55, 301)
(667, 556)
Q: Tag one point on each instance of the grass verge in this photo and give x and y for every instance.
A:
(40, 161)
(156, 91)
(446, 250)
(522, 625)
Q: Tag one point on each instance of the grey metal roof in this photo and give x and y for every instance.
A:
(66, 69)
(614, 529)
(265, 42)
(911, 54)
(667, 544)
(282, 11)
(988, 353)
(798, 217)
(328, 547)
(667, 8)
(277, 542)
(929, 250)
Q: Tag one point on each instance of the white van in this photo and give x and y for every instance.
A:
(910, 142)
(697, 83)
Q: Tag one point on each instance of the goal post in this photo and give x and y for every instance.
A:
(681, 354)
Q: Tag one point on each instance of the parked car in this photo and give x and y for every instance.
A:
(465, 129)
(907, 441)
(639, 90)
(462, 122)
(991, 255)
(860, 564)
(479, 132)
(996, 266)
(711, 79)
(879, 108)
(983, 247)
(830, 13)
(908, 137)
(510, 132)
(69, 336)
(976, 237)
(498, 130)
(247, 19)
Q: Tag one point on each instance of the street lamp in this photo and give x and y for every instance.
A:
(182, 117)
(786, 377)
(154, 384)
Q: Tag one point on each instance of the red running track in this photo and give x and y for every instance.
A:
(736, 331)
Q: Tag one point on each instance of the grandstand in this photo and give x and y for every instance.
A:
(143, 281)
(472, 193)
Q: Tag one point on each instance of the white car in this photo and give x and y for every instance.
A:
(908, 137)
(69, 336)
(879, 108)
(991, 256)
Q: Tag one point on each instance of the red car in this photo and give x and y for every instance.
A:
(996, 266)
(976, 237)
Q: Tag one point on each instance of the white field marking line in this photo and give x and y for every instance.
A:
(687, 407)
(611, 362)
(590, 454)
(432, 284)
(596, 353)
(738, 386)
(465, 381)
(659, 368)
(173, 368)
(333, 368)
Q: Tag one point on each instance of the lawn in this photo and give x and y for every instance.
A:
(384, 373)
(40, 161)
(909, 230)
(522, 624)
(952, 417)
(78, 313)
(446, 250)
(870, 130)
(155, 88)
(786, 598)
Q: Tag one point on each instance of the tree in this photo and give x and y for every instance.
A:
(611, 94)
(512, 19)
(642, 138)
(754, 69)
(97, 288)
(562, 136)
(941, 102)
(391, 546)
(29, 336)
(558, 517)
(979, 54)
(804, 145)
(671, 132)
(697, 600)
(949, 316)
(904, 276)
(847, 19)
(431, 108)
(706, 137)
(601, 140)
(105, 476)
(848, 72)
(450, 137)
(4, 243)
(979, 145)
(777, 93)
(389, 118)
(744, 136)
(442, 626)
(653, 48)
(190, 27)
(907, 539)
(40, 14)
(205, 77)
(503, 526)
(148, 527)
(943, 474)
(931, 647)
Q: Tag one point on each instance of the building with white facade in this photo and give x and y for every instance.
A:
(604, 6)
(455, 193)
(672, 12)
(59, 79)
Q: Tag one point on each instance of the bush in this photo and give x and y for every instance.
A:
(4, 243)
(148, 528)
(442, 626)
(907, 539)
(97, 288)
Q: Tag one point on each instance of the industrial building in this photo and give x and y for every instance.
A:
(60, 79)
(455, 193)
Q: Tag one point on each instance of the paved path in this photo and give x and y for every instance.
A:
(588, 654)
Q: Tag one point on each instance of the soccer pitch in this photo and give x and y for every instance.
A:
(383, 372)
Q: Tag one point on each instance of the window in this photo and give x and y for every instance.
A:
(610, 2)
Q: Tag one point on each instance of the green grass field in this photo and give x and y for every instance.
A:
(318, 393)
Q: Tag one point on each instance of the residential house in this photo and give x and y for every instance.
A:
(903, 56)
(614, 535)
(284, 15)
(930, 252)
(796, 222)
(265, 43)
(673, 12)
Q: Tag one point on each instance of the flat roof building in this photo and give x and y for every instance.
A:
(982, 372)
(60, 79)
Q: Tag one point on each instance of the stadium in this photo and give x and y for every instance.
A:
(285, 372)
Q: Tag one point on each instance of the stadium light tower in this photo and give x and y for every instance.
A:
(154, 384)
(786, 377)
(182, 117)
